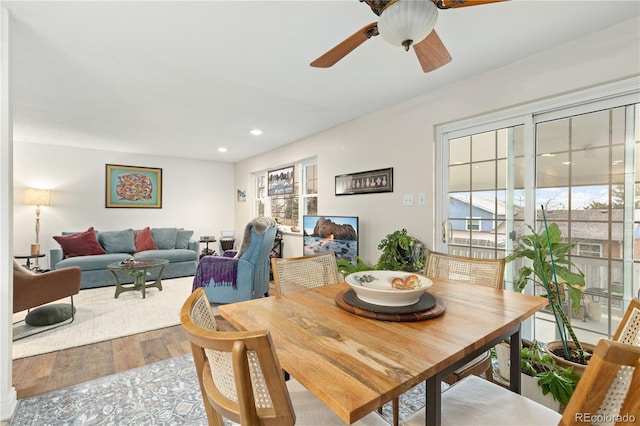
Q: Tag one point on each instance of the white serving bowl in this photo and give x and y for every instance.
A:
(375, 287)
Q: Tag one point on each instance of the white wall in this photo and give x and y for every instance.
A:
(8, 395)
(402, 137)
(196, 194)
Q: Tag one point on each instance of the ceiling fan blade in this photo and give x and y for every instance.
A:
(346, 46)
(431, 52)
(453, 4)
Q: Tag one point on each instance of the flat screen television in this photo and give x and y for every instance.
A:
(331, 233)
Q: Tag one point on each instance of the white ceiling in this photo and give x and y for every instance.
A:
(184, 78)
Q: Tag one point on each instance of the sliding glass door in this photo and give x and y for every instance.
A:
(580, 165)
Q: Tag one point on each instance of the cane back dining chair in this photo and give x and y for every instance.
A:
(629, 329)
(241, 379)
(608, 389)
(297, 273)
(485, 272)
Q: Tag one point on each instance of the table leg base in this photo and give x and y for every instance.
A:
(123, 288)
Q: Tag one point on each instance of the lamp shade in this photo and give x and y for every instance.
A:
(407, 22)
(37, 197)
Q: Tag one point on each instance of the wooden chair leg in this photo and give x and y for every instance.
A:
(395, 409)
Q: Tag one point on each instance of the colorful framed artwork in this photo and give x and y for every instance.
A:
(380, 180)
(133, 187)
(281, 181)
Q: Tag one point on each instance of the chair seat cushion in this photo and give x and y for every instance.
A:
(175, 255)
(310, 410)
(476, 401)
(92, 263)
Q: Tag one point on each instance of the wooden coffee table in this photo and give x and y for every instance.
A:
(139, 269)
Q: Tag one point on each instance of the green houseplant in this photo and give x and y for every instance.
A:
(345, 267)
(139, 276)
(554, 272)
(560, 382)
(400, 252)
(551, 378)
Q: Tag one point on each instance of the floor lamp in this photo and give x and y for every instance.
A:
(37, 197)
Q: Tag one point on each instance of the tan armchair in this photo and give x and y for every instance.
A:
(31, 290)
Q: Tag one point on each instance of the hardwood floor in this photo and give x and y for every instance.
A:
(56, 370)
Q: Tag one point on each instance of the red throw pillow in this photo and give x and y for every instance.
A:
(144, 240)
(80, 244)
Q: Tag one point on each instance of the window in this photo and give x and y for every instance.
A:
(473, 224)
(580, 161)
(261, 194)
(310, 189)
(288, 209)
(588, 249)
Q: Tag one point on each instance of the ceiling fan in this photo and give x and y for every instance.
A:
(403, 23)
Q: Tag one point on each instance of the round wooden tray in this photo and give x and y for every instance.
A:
(427, 307)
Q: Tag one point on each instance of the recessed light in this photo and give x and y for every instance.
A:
(222, 149)
(567, 163)
(256, 132)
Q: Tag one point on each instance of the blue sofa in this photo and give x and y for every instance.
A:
(173, 244)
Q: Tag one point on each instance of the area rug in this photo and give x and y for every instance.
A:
(166, 393)
(99, 316)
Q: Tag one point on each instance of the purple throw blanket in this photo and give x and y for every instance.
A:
(216, 270)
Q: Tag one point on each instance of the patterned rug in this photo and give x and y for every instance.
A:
(163, 393)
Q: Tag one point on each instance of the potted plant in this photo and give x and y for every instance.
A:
(554, 272)
(543, 380)
(401, 252)
(345, 267)
(139, 276)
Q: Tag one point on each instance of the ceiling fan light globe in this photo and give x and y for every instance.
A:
(407, 20)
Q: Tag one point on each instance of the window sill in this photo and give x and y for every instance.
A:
(287, 230)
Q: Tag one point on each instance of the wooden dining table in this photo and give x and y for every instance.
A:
(354, 364)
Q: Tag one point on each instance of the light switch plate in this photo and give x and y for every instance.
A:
(408, 199)
(422, 199)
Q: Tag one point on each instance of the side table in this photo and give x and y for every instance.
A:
(206, 251)
(28, 257)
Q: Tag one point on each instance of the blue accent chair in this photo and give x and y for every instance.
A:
(245, 276)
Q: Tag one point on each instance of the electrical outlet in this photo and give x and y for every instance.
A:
(422, 199)
(408, 199)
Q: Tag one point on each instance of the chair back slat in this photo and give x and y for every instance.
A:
(299, 273)
(201, 313)
(486, 272)
(629, 329)
(239, 372)
(609, 388)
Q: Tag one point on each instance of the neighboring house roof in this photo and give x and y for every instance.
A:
(589, 224)
(487, 204)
